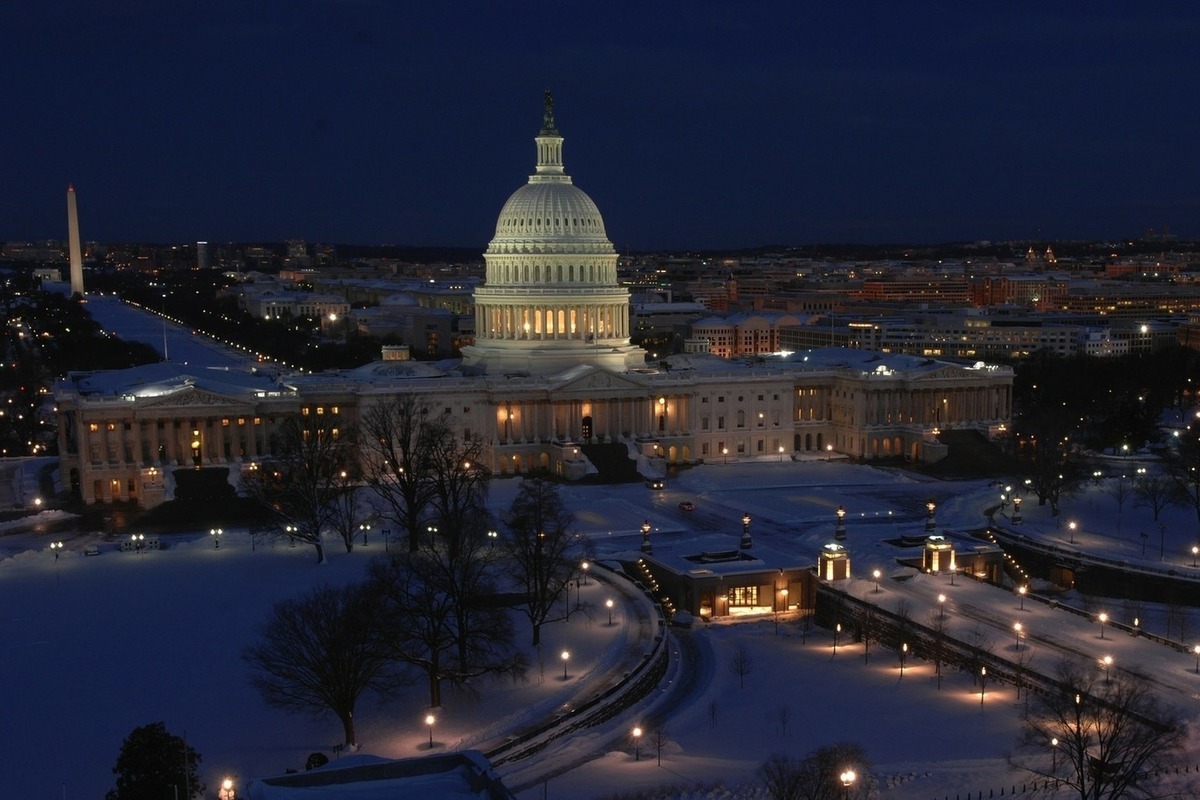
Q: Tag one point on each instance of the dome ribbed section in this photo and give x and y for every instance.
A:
(558, 211)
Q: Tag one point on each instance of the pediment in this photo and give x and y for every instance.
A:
(190, 396)
(600, 380)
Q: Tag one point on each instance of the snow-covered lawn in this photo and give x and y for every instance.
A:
(95, 646)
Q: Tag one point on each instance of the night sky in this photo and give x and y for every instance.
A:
(691, 124)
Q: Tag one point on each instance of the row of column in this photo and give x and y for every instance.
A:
(142, 442)
(523, 321)
(541, 419)
(938, 407)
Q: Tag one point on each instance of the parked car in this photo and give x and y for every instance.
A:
(687, 505)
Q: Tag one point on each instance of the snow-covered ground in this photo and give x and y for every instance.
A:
(95, 646)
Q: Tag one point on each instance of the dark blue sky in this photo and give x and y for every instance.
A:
(692, 124)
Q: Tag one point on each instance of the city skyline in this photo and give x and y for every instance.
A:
(703, 127)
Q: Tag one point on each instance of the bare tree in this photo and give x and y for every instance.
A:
(1119, 490)
(542, 547)
(1157, 492)
(819, 774)
(301, 487)
(741, 663)
(396, 442)
(660, 737)
(781, 777)
(1112, 736)
(347, 515)
(318, 653)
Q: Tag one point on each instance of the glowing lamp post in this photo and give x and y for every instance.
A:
(930, 520)
(839, 531)
(1195, 551)
(746, 543)
(364, 529)
(429, 720)
(584, 567)
(847, 778)
(228, 790)
(646, 547)
(1053, 755)
(56, 548)
(637, 743)
(609, 605)
(216, 534)
(139, 541)
(1107, 662)
(982, 684)
(1021, 590)
(941, 606)
(903, 656)
(876, 575)
(1016, 514)
(1103, 619)
(1071, 528)
(566, 656)
(828, 452)
(1017, 628)
(1196, 650)
(837, 633)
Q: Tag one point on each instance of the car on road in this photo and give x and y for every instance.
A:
(687, 505)
(656, 483)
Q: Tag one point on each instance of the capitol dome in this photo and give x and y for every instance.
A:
(551, 299)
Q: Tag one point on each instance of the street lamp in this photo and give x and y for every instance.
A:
(228, 790)
(216, 534)
(1021, 590)
(139, 541)
(982, 684)
(1017, 633)
(429, 720)
(1196, 650)
(837, 632)
(609, 605)
(364, 529)
(839, 531)
(1016, 513)
(1053, 755)
(1103, 618)
(903, 655)
(941, 606)
(1107, 662)
(585, 566)
(828, 452)
(725, 454)
(875, 575)
(637, 743)
(56, 548)
(781, 453)
(646, 548)
(930, 521)
(1195, 551)
(1071, 528)
(847, 781)
(566, 656)
(745, 543)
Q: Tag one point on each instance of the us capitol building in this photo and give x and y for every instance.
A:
(551, 375)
